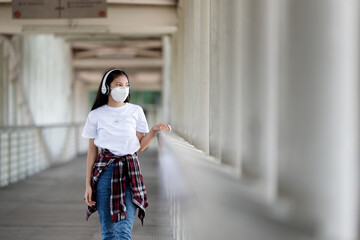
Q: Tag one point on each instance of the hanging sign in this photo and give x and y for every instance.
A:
(58, 9)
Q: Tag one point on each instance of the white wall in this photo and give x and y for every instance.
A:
(47, 78)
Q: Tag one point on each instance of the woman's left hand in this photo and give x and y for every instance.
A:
(161, 127)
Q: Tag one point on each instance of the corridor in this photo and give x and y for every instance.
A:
(263, 98)
(50, 205)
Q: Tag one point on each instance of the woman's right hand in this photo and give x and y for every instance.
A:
(88, 196)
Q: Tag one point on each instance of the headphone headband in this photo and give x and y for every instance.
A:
(104, 88)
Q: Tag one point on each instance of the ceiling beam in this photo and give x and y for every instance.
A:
(106, 52)
(138, 43)
(139, 77)
(132, 2)
(139, 81)
(124, 20)
(144, 2)
(96, 63)
(117, 53)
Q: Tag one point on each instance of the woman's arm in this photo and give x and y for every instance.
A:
(91, 158)
(145, 139)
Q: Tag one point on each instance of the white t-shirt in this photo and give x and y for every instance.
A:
(115, 128)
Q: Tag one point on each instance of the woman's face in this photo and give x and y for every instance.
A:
(120, 81)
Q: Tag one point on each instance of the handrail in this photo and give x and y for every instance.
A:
(28, 149)
(212, 188)
(42, 126)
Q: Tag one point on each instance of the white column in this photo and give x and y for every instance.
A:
(269, 145)
(199, 69)
(215, 79)
(231, 79)
(166, 77)
(320, 133)
(2, 86)
(186, 82)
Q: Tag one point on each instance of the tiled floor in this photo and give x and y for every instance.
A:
(50, 205)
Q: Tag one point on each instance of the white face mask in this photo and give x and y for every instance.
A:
(119, 94)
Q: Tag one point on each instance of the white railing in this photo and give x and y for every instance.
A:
(26, 150)
(208, 200)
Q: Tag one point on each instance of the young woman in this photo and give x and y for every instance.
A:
(114, 184)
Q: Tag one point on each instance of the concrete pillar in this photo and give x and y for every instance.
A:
(186, 82)
(178, 74)
(190, 77)
(215, 78)
(166, 77)
(5, 91)
(319, 111)
(230, 89)
(177, 80)
(200, 80)
(269, 143)
(2, 86)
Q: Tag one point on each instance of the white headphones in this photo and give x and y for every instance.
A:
(105, 89)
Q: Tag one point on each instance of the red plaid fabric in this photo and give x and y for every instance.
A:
(125, 166)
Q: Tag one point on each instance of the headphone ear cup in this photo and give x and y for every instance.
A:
(105, 89)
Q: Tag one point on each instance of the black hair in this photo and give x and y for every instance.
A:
(102, 99)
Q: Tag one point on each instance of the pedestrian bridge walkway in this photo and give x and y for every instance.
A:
(262, 98)
(50, 205)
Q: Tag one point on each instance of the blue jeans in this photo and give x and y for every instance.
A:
(120, 230)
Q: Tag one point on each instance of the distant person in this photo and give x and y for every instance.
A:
(114, 183)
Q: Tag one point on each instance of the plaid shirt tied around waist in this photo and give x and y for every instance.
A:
(124, 164)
